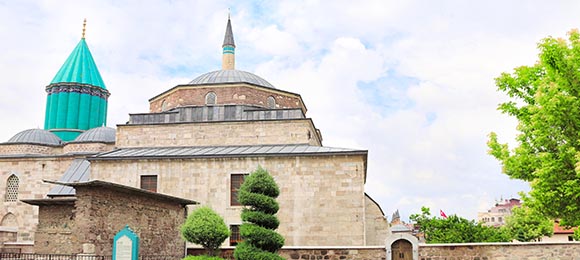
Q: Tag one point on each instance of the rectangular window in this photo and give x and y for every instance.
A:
(235, 184)
(235, 237)
(149, 182)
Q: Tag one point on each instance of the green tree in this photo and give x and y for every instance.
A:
(454, 229)
(258, 193)
(525, 225)
(206, 228)
(544, 98)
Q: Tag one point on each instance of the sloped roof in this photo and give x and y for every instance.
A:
(78, 171)
(80, 67)
(224, 151)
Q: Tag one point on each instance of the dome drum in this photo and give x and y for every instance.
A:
(231, 94)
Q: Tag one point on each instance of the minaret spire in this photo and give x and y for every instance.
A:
(229, 48)
(84, 27)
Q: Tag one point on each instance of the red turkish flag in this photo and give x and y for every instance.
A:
(442, 213)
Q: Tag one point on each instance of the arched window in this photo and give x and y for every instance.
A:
(12, 188)
(210, 98)
(9, 220)
(271, 102)
(164, 105)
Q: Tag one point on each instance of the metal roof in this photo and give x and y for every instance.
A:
(229, 37)
(99, 134)
(78, 171)
(230, 76)
(400, 228)
(224, 151)
(35, 136)
(80, 67)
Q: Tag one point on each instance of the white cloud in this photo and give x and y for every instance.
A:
(411, 81)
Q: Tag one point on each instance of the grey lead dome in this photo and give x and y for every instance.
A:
(99, 134)
(36, 136)
(230, 76)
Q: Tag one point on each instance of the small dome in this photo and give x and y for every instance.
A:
(230, 76)
(99, 134)
(35, 136)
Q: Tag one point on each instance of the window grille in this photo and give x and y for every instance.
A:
(210, 98)
(164, 105)
(236, 183)
(271, 102)
(149, 182)
(12, 188)
(235, 236)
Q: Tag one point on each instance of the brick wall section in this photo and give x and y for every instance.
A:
(29, 149)
(232, 94)
(219, 133)
(87, 147)
(101, 213)
(54, 234)
(501, 251)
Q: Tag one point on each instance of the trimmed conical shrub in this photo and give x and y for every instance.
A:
(260, 240)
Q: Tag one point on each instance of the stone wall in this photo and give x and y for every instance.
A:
(101, 213)
(321, 201)
(229, 94)
(299, 131)
(376, 224)
(333, 253)
(472, 251)
(30, 172)
(500, 251)
(54, 234)
(7, 236)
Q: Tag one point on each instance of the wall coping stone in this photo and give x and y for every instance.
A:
(22, 243)
(9, 229)
(501, 244)
(312, 247)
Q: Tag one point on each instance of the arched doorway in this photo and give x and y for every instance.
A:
(402, 246)
(402, 250)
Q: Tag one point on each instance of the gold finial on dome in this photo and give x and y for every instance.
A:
(84, 27)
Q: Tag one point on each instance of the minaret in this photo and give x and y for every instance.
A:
(229, 48)
(77, 96)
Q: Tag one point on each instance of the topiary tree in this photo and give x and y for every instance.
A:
(206, 228)
(258, 193)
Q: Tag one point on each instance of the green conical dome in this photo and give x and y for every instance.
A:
(77, 97)
(80, 67)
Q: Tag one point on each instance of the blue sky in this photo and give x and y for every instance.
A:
(411, 81)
